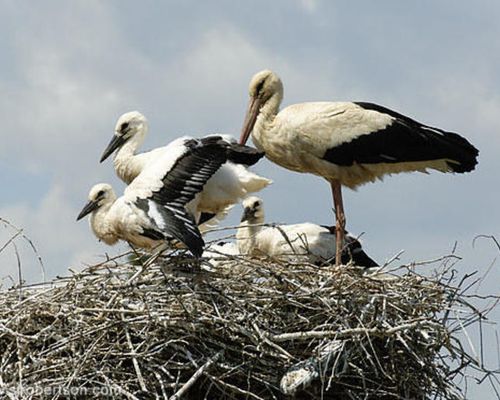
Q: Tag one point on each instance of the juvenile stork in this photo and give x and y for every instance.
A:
(221, 253)
(231, 183)
(306, 240)
(347, 143)
(159, 203)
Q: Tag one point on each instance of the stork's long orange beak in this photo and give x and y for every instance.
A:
(252, 112)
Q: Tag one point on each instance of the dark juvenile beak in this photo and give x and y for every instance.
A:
(89, 207)
(115, 143)
(250, 118)
(247, 214)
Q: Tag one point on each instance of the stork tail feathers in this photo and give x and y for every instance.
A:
(409, 140)
(463, 154)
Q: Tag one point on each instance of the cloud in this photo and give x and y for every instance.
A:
(52, 228)
(66, 84)
(311, 6)
(205, 88)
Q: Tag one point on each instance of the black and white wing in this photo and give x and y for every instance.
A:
(353, 250)
(239, 153)
(169, 222)
(162, 193)
(402, 140)
(201, 159)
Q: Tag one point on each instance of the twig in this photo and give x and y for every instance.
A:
(177, 395)
(340, 334)
(137, 369)
(154, 335)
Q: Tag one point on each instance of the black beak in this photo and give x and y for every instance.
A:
(248, 213)
(116, 142)
(89, 207)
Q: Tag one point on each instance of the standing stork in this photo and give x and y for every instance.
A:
(231, 183)
(347, 143)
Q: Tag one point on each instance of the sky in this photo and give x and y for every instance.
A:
(68, 70)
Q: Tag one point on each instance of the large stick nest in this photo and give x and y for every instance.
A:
(243, 329)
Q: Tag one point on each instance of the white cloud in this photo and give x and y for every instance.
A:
(217, 68)
(206, 87)
(51, 226)
(311, 6)
(65, 86)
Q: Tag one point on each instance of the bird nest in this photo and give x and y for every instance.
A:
(242, 329)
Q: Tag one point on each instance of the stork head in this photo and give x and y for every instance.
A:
(253, 210)
(263, 86)
(128, 126)
(100, 195)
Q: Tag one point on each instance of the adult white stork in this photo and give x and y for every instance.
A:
(232, 182)
(306, 240)
(160, 201)
(347, 143)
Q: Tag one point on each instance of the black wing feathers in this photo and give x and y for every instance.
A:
(184, 230)
(191, 171)
(153, 234)
(405, 140)
(176, 223)
(202, 158)
(180, 185)
(353, 251)
(205, 217)
(241, 154)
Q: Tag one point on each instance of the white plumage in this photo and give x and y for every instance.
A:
(227, 186)
(308, 241)
(347, 143)
(123, 218)
(160, 202)
(221, 253)
(221, 249)
(302, 374)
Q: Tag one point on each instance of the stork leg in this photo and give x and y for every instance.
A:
(340, 220)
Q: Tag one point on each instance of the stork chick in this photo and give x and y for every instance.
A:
(160, 201)
(232, 182)
(129, 219)
(306, 240)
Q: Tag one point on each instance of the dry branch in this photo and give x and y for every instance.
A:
(244, 328)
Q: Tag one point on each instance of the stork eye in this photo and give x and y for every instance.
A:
(100, 193)
(259, 87)
(256, 204)
(124, 126)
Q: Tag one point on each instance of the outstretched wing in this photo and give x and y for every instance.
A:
(242, 154)
(201, 159)
(239, 153)
(166, 186)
